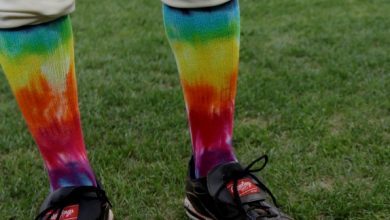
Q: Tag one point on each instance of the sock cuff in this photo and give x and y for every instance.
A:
(200, 25)
(194, 3)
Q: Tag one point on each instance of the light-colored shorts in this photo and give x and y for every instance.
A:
(16, 13)
(193, 3)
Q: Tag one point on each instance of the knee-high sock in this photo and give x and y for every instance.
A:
(205, 43)
(39, 64)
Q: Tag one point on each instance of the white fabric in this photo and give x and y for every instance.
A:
(193, 3)
(16, 13)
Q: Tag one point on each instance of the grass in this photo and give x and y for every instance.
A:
(313, 93)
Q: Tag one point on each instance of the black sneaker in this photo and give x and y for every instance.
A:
(76, 203)
(230, 192)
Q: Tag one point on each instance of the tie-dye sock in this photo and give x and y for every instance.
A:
(205, 43)
(38, 62)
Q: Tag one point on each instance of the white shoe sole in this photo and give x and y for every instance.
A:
(110, 215)
(192, 213)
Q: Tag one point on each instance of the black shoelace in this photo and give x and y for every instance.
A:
(250, 209)
(73, 198)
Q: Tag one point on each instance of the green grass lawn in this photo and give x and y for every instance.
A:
(313, 93)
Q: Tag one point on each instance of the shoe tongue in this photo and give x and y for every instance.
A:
(246, 187)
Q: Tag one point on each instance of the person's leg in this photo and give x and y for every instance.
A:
(205, 42)
(204, 36)
(38, 62)
(37, 56)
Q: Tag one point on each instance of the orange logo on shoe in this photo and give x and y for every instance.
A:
(69, 213)
(244, 187)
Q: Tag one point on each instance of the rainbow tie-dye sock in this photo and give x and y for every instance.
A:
(38, 62)
(205, 43)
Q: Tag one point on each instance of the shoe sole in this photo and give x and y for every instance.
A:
(192, 213)
(110, 215)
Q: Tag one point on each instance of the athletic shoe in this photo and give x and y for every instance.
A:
(230, 192)
(76, 203)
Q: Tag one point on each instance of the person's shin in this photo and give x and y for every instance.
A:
(38, 62)
(205, 42)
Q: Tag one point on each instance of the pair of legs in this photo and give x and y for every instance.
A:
(38, 60)
(36, 54)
